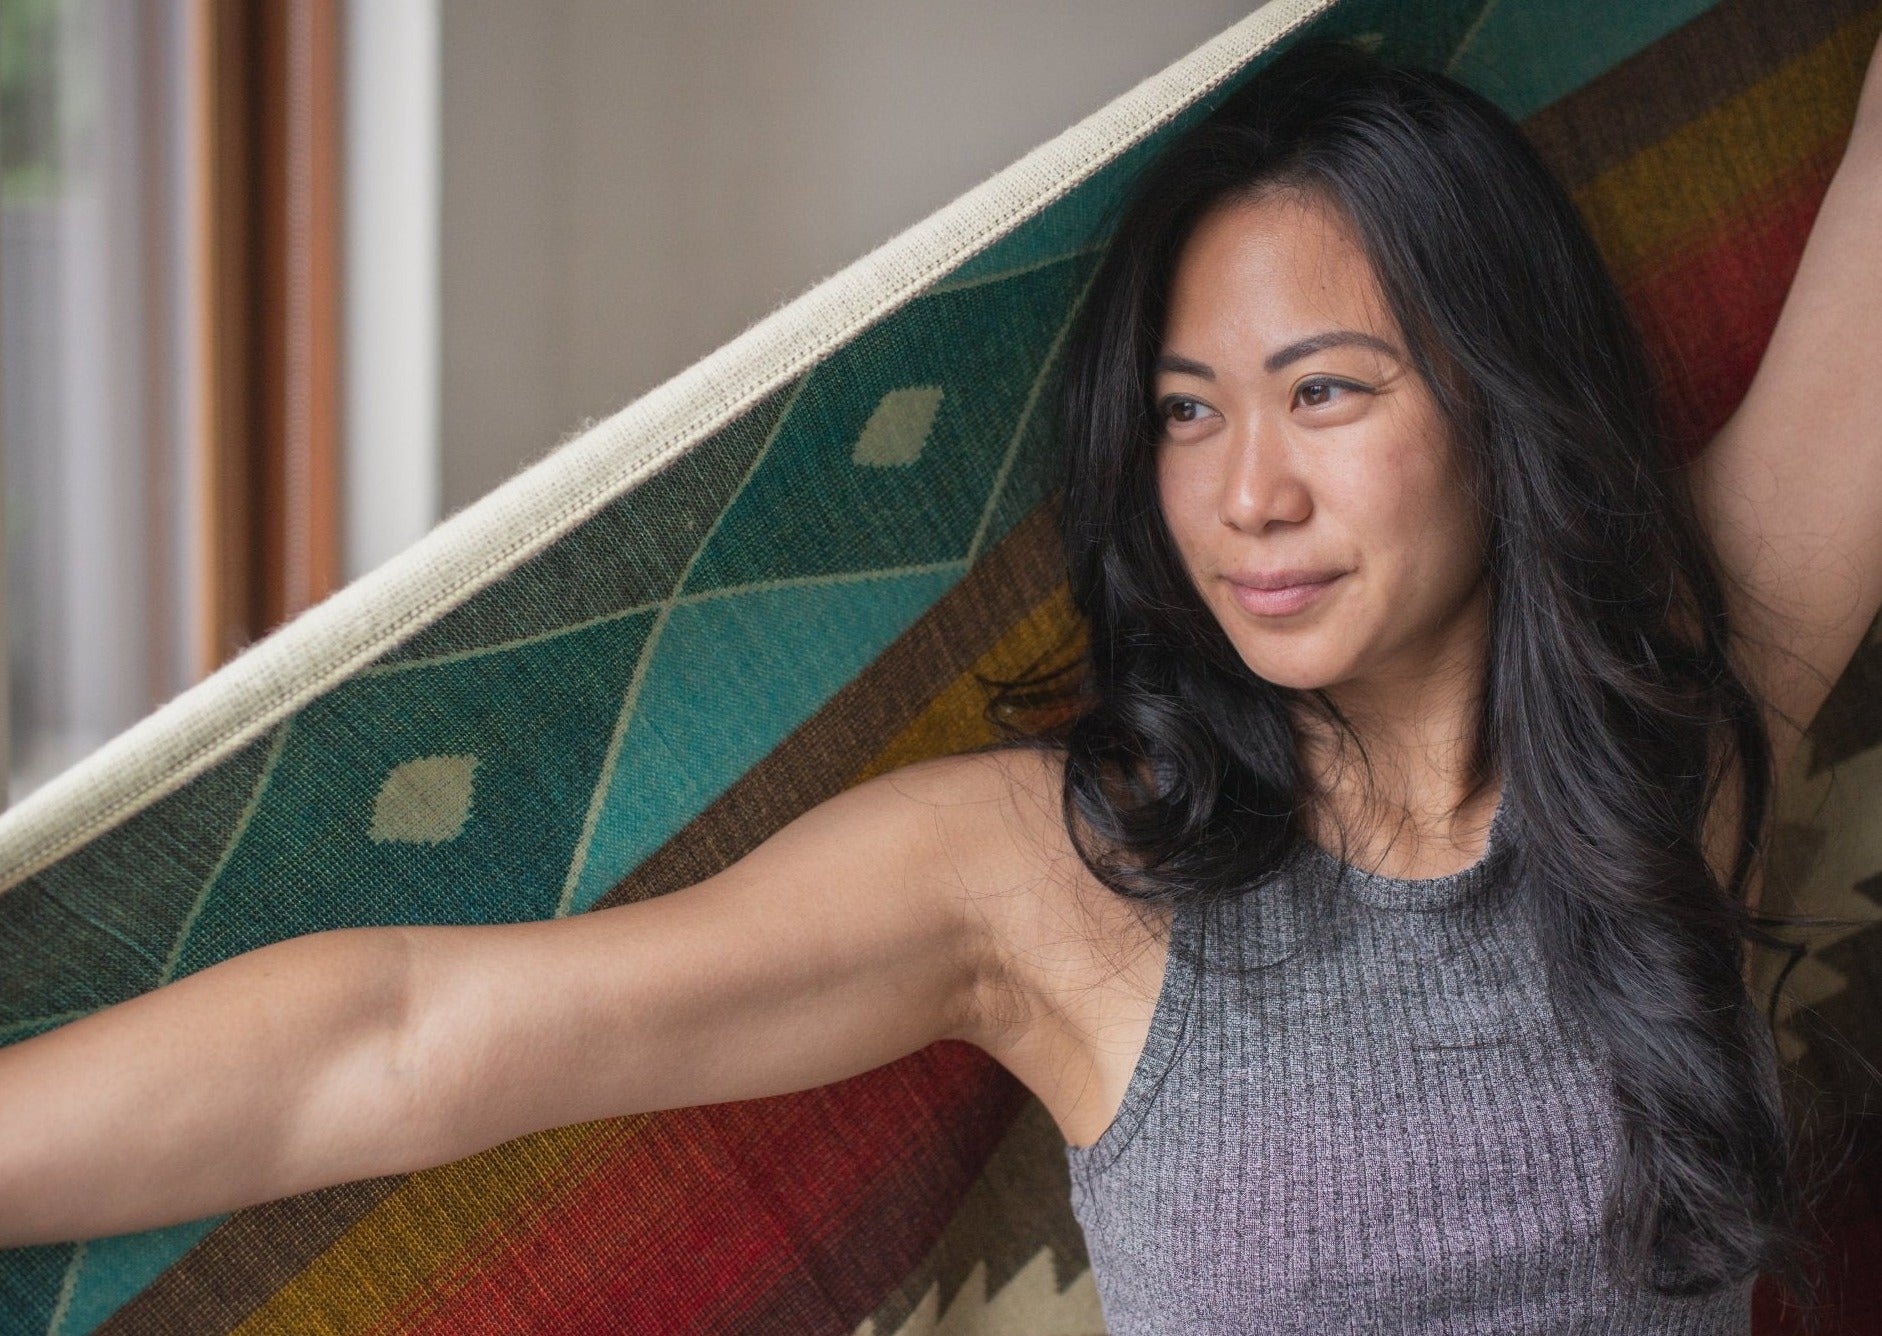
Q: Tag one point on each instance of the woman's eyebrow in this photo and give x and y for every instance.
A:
(1184, 366)
(1313, 343)
(1331, 338)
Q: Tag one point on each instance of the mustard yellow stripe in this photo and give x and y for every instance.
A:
(1646, 208)
(435, 1217)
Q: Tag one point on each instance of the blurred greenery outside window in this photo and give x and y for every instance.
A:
(95, 394)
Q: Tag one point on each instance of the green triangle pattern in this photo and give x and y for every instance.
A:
(582, 576)
(535, 718)
(811, 510)
(731, 677)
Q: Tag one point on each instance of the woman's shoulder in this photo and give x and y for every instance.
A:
(998, 816)
(983, 773)
(993, 821)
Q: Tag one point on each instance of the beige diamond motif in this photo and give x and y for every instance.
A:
(425, 801)
(898, 429)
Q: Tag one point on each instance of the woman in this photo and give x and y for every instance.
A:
(1380, 553)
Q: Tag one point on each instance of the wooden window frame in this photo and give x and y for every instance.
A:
(272, 226)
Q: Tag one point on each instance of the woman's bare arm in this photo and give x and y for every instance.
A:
(232, 1085)
(853, 936)
(1791, 487)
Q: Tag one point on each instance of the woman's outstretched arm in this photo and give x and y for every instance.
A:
(1791, 487)
(851, 937)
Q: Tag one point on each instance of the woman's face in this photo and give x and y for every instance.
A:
(1298, 443)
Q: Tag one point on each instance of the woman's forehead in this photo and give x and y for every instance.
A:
(1269, 267)
(1284, 254)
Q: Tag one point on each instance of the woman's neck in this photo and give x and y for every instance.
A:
(1416, 797)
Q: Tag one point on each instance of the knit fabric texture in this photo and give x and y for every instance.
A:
(1380, 1127)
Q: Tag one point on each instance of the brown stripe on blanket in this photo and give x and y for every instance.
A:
(240, 1263)
(235, 1266)
(1692, 69)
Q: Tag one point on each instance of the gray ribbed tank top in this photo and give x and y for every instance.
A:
(1384, 1129)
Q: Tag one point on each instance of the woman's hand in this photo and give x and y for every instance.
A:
(854, 935)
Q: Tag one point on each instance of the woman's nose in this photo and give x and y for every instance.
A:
(1260, 484)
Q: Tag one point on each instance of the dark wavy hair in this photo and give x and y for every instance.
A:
(1613, 705)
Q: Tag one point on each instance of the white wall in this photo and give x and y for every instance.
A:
(390, 377)
(628, 183)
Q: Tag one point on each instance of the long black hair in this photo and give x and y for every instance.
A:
(1614, 710)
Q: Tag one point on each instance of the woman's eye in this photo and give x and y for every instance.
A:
(1181, 410)
(1318, 393)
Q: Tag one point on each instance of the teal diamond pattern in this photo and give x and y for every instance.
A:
(810, 510)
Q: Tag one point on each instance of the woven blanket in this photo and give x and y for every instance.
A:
(785, 570)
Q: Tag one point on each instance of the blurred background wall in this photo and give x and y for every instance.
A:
(626, 184)
(524, 215)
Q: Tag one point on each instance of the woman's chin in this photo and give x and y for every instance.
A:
(1293, 673)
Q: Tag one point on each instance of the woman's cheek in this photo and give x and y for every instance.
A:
(1185, 497)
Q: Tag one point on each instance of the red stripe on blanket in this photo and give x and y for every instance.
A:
(1707, 314)
(739, 1205)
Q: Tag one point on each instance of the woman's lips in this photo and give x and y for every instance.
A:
(1281, 602)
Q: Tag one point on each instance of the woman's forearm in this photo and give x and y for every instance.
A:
(251, 1080)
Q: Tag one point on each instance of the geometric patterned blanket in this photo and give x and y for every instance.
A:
(790, 568)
